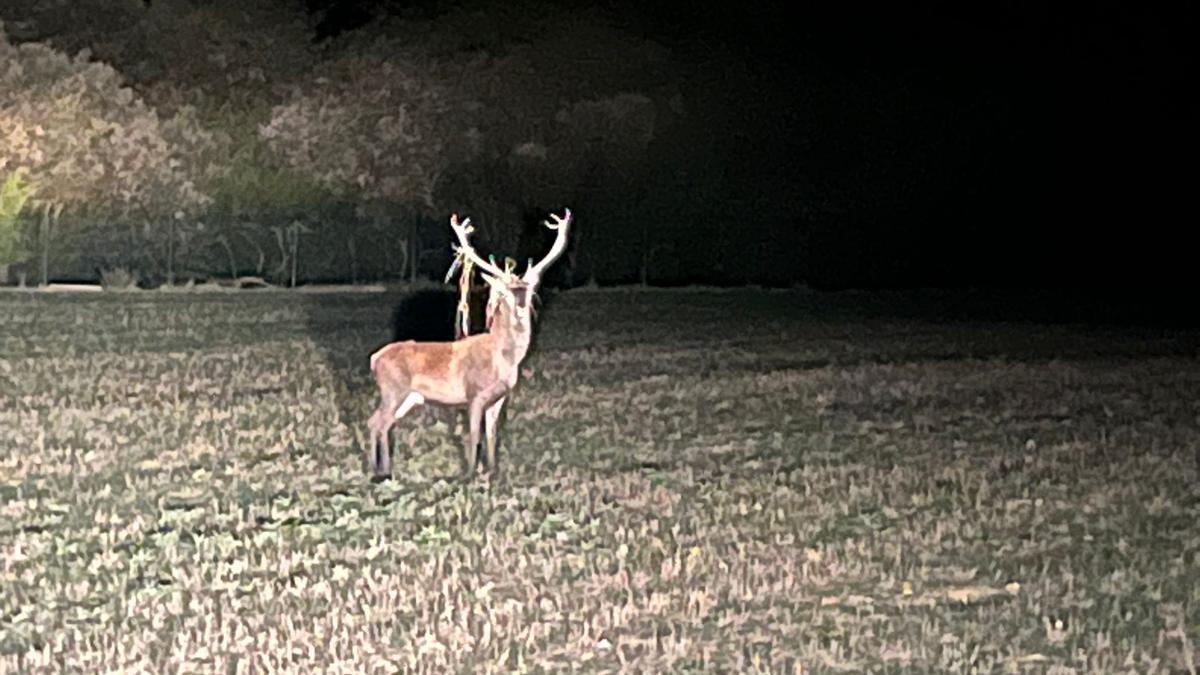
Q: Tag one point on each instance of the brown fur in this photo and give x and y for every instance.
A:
(476, 372)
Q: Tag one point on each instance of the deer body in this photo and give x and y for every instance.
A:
(477, 372)
(450, 373)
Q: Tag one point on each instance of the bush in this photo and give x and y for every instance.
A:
(14, 192)
(118, 279)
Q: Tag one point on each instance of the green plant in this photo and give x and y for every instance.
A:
(14, 193)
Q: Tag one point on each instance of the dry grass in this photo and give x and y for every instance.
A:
(698, 482)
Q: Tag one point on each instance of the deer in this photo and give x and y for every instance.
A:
(477, 372)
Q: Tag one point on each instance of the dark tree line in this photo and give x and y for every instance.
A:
(330, 141)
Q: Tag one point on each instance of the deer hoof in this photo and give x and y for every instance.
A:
(378, 477)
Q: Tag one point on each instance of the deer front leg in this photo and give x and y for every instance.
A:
(480, 402)
(491, 419)
(474, 419)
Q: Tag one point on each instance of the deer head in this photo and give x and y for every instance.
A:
(506, 288)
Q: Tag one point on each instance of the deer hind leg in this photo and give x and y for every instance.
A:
(379, 453)
(491, 418)
(382, 420)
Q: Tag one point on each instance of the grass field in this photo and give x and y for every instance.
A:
(696, 482)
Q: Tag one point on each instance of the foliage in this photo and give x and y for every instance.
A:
(619, 126)
(177, 52)
(87, 141)
(366, 128)
(837, 490)
(503, 113)
(409, 117)
(256, 187)
(14, 192)
(609, 140)
(242, 61)
(93, 149)
(376, 125)
(72, 26)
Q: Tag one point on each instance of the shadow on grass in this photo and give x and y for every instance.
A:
(345, 328)
(1020, 325)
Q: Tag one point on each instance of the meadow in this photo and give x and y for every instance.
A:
(696, 481)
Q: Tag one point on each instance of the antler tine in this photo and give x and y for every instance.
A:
(533, 274)
(463, 231)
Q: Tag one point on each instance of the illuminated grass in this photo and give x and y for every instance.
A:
(698, 482)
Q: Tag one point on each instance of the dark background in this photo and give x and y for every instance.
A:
(1017, 145)
(892, 146)
(1013, 144)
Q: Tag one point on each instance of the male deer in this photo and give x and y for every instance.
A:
(477, 372)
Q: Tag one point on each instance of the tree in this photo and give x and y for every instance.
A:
(260, 202)
(556, 122)
(609, 137)
(368, 128)
(94, 149)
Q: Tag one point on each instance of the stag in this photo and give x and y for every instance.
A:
(477, 372)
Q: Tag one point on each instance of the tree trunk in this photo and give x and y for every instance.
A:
(171, 254)
(45, 245)
(295, 252)
(404, 256)
(261, 261)
(414, 248)
(572, 272)
(229, 251)
(50, 214)
(645, 251)
(281, 240)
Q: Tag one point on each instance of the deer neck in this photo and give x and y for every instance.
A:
(513, 336)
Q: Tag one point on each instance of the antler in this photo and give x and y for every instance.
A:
(533, 275)
(464, 231)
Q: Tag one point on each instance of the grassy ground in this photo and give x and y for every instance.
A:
(697, 482)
